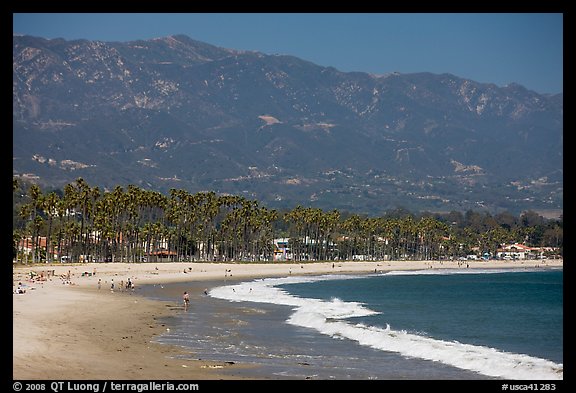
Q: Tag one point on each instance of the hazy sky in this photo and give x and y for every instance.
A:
(526, 48)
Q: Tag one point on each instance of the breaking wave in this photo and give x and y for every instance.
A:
(335, 318)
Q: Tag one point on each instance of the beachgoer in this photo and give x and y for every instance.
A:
(112, 285)
(20, 289)
(99, 283)
(186, 298)
(206, 292)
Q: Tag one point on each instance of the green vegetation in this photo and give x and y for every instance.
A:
(83, 223)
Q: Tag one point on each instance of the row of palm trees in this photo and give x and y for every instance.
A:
(133, 225)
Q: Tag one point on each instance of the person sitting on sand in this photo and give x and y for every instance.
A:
(20, 289)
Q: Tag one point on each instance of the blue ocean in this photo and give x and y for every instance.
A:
(437, 324)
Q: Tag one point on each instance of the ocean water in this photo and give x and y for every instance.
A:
(437, 324)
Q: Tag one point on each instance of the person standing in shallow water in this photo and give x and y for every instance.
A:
(186, 298)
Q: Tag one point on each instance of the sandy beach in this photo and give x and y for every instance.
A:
(67, 326)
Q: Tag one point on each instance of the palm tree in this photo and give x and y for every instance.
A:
(352, 227)
(115, 204)
(31, 210)
(49, 207)
(296, 222)
(430, 234)
(208, 210)
(407, 227)
(330, 225)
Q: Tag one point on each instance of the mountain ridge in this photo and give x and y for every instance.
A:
(176, 112)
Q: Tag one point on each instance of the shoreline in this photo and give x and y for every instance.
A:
(70, 329)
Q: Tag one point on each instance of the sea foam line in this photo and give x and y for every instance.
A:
(329, 317)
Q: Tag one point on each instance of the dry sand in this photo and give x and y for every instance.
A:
(75, 331)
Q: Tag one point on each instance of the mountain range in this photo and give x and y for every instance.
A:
(173, 112)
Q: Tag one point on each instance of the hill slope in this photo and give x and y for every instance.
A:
(174, 112)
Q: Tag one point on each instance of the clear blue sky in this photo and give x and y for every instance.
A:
(526, 48)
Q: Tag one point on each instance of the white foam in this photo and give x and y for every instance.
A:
(332, 318)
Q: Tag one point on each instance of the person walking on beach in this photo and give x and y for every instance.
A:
(112, 286)
(186, 298)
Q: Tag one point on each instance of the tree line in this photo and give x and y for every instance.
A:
(131, 224)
